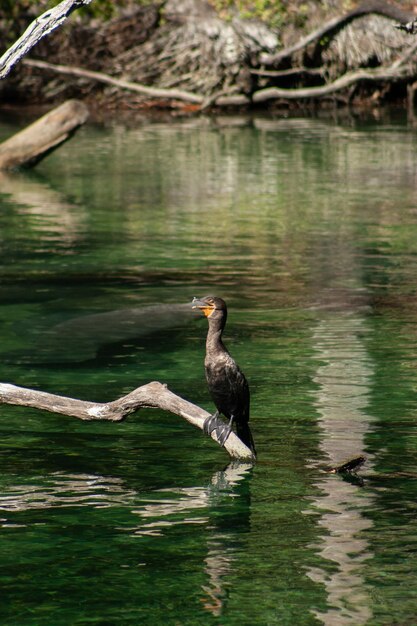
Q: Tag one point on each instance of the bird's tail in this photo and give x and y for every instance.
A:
(245, 435)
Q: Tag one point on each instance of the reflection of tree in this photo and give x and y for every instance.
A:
(218, 564)
(66, 490)
(219, 559)
(54, 221)
(343, 378)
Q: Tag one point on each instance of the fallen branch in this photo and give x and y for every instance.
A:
(333, 26)
(388, 74)
(292, 71)
(219, 99)
(153, 395)
(43, 25)
(154, 92)
(34, 142)
(237, 99)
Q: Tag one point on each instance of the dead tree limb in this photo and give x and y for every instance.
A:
(389, 74)
(290, 72)
(220, 99)
(153, 395)
(43, 25)
(154, 92)
(34, 142)
(333, 26)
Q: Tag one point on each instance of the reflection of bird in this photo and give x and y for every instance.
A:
(409, 27)
(227, 384)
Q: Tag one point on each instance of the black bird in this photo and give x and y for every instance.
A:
(226, 382)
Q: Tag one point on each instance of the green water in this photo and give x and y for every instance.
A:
(308, 228)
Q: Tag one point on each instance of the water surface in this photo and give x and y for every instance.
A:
(308, 229)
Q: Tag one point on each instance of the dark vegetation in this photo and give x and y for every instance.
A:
(226, 53)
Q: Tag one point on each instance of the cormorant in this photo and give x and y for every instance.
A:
(226, 382)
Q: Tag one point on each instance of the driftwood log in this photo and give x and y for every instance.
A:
(34, 142)
(153, 395)
(43, 25)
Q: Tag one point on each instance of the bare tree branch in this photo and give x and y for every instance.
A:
(153, 395)
(388, 74)
(43, 25)
(155, 92)
(292, 71)
(223, 98)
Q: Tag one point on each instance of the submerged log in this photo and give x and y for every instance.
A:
(153, 395)
(34, 142)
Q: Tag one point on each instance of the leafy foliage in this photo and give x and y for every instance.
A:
(15, 10)
(269, 11)
(15, 15)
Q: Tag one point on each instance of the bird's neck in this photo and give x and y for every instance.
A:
(214, 341)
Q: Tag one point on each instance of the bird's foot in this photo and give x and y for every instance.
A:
(215, 423)
(223, 433)
(210, 423)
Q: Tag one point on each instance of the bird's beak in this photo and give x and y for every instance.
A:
(203, 306)
(198, 304)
